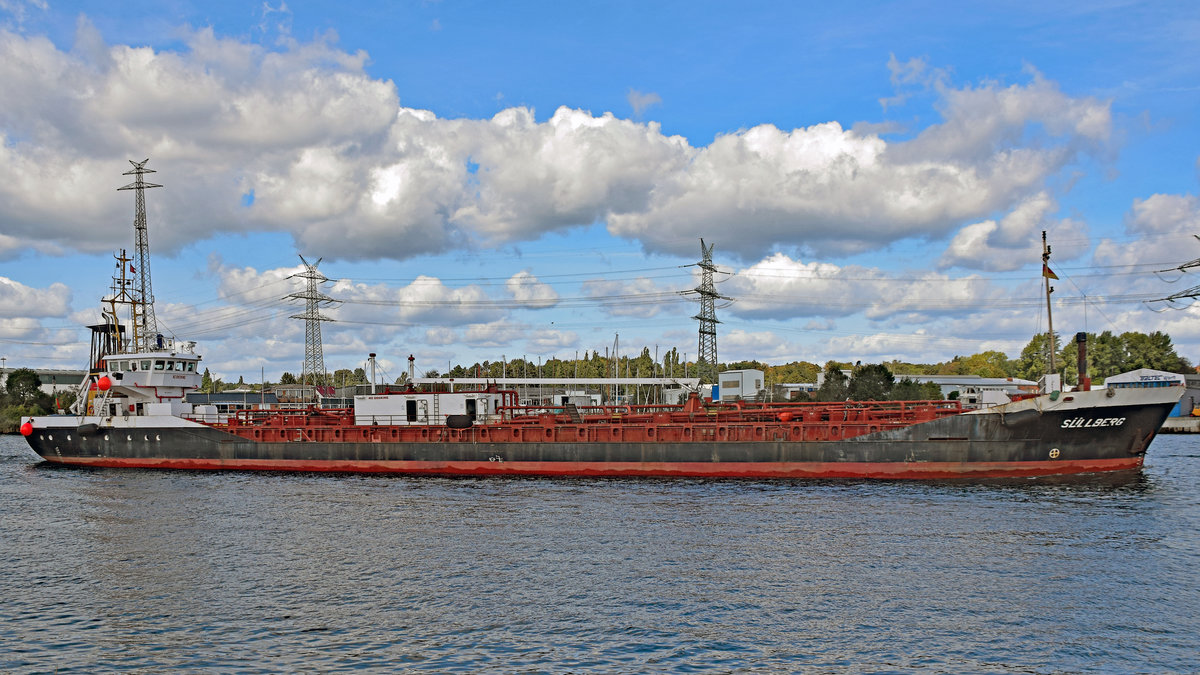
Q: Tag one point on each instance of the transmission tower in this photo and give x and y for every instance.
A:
(145, 327)
(314, 358)
(706, 361)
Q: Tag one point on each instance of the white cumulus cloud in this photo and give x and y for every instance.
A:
(527, 291)
(778, 287)
(19, 300)
(1015, 241)
(301, 139)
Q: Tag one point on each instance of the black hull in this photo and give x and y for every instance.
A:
(1022, 443)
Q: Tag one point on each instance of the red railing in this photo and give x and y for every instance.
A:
(693, 422)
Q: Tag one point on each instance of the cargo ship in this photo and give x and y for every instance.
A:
(139, 419)
(132, 411)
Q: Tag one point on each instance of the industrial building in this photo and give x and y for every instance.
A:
(581, 391)
(53, 381)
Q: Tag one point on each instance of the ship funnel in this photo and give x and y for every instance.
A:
(1085, 382)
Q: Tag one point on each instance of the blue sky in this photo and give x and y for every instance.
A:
(528, 178)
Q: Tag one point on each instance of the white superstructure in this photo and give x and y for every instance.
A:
(141, 383)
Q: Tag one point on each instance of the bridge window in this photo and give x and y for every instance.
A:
(159, 364)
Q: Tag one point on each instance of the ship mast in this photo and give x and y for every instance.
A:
(145, 327)
(1046, 274)
(120, 296)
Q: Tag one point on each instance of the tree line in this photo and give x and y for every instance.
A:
(1108, 354)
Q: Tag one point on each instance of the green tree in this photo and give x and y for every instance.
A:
(794, 372)
(987, 364)
(1152, 350)
(836, 385)
(1108, 355)
(23, 386)
(672, 364)
(64, 400)
(1068, 360)
(1035, 358)
(745, 365)
(871, 382)
(286, 378)
(907, 389)
(23, 398)
(954, 366)
(904, 368)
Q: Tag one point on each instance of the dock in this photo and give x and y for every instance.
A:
(1181, 425)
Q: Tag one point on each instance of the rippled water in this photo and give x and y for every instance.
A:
(152, 570)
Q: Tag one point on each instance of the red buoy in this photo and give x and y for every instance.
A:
(26, 429)
(103, 383)
(785, 417)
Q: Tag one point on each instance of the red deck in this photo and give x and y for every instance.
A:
(741, 422)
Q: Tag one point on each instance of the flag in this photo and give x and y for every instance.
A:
(1046, 272)
(133, 271)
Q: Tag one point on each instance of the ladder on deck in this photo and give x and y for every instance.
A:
(572, 413)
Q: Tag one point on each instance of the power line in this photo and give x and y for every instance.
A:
(607, 274)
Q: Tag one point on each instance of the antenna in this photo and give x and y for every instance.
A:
(1046, 274)
(145, 327)
(314, 358)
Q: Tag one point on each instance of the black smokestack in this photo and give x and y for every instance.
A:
(1085, 383)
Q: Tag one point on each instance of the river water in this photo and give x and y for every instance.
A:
(152, 571)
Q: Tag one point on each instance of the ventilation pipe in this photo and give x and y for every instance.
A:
(1085, 382)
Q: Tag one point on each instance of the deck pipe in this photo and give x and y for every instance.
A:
(1085, 382)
